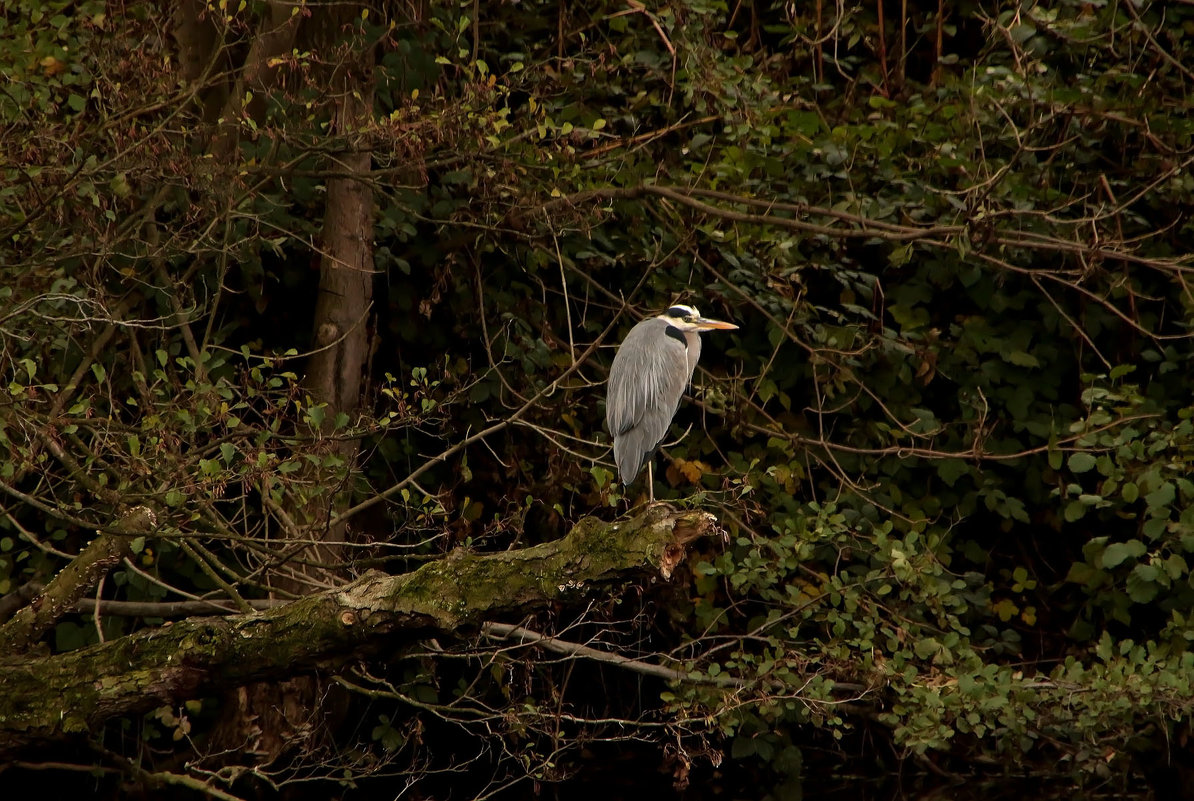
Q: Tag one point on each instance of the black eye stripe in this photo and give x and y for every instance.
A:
(679, 311)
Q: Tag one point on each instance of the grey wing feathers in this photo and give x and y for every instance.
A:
(632, 448)
(646, 382)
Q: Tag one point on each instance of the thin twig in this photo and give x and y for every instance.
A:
(505, 631)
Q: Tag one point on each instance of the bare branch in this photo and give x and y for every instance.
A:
(506, 631)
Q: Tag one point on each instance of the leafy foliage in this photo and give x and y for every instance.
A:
(950, 441)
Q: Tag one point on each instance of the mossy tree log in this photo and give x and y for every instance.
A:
(105, 551)
(44, 699)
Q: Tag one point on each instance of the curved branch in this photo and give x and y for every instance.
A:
(106, 551)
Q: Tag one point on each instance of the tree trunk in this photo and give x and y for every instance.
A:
(203, 57)
(335, 371)
(268, 720)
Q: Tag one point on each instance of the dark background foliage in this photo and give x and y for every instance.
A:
(949, 442)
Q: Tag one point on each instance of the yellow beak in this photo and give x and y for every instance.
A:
(709, 325)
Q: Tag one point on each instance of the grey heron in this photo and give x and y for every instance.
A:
(651, 369)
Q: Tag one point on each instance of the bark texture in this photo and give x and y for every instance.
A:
(336, 369)
(59, 597)
(48, 698)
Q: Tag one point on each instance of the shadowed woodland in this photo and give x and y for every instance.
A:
(306, 314)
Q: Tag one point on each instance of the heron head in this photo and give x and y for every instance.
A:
(687, 318)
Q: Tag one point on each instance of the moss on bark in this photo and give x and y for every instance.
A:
(46, 698)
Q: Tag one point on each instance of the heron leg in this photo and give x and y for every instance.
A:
(650, 483)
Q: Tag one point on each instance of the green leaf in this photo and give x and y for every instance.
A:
(1118, 552)
(316, 415)
(1023, 359)
(1176, 567)
(1141, 584)
(1081, 573)
(1155, 527)
(742, 747)
(926, 647)
(1081, 462)
(951, 469)
(1160, 499)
